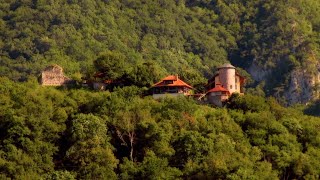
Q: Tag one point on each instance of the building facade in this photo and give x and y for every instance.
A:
(170, 86)
(217, 95)
(223, 84)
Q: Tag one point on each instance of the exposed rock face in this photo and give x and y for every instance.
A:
(302, 87)
(257, 72)
(53, 76)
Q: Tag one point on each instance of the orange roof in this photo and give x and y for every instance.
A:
(108, 81)
(176, 82)
(218, 88)
(171, 77)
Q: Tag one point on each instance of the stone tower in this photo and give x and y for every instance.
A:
(227, 75)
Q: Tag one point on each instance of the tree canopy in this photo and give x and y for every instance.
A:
(77, 133)
(63, 133)
(187, 37)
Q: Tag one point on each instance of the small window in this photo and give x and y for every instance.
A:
(236, 87)
(169, 82)
(236, 80)
(230, 86)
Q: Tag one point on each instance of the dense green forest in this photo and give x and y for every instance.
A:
(188, 37)
(52, 133)
(77, 133)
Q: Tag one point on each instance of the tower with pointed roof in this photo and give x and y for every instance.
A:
(224, 83)
(227, 77)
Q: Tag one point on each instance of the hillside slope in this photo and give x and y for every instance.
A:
(47, 133)
(279, 38)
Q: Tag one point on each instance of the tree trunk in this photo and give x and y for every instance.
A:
(131, 136)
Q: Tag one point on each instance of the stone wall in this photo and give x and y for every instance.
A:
(216, 99)
(53, 76)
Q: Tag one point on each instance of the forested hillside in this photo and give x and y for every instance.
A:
(79, 134)
(276, 41)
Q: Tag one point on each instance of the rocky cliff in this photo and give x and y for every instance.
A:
(302, 86)
(257, 72)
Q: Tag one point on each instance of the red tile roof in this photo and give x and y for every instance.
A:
(108, 81)
(171, 77)
(218, 88)
(176, 82)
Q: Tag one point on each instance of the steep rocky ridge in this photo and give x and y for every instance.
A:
(302, 86)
